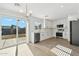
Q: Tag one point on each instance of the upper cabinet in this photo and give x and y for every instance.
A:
(48, 24)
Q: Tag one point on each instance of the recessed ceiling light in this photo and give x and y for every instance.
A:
(62, 6)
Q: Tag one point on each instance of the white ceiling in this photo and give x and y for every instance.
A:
(52, 10)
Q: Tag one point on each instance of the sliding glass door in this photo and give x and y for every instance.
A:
(8, 29)
(21, 31)
(12, 31)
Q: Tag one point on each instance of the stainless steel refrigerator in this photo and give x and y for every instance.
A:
(74, 32)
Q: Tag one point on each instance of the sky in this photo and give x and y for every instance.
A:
(5, 21)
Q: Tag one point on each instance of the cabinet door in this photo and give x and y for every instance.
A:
(42, 36)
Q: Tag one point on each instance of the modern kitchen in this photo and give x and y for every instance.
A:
(51, 32)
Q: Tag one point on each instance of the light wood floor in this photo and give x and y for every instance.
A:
(51, 43)
(42, 48)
